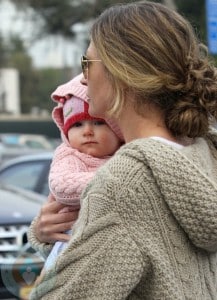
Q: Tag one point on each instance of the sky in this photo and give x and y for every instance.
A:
(48, 52)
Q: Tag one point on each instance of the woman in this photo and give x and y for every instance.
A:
(147, 227)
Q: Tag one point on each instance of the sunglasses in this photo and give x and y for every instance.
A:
(84, 64)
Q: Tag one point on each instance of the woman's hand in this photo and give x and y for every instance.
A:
(51, 224)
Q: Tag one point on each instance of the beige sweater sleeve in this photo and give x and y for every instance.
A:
(43, 248)
(104, 263)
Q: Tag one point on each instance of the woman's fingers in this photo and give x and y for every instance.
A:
(52, 223)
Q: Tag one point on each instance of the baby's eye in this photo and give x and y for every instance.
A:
(77, 124)
(99, 122)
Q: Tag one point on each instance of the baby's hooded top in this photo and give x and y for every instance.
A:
(71, 170)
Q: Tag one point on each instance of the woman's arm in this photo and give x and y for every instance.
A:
(103, 263)
(50, 225)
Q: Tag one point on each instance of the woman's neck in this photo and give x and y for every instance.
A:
(134, 126)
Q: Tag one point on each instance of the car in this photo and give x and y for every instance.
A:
(29, 172)
(33, 141)
(19, 263)
(17, 144)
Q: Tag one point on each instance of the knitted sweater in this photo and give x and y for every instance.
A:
(147, 228)
(70, 172)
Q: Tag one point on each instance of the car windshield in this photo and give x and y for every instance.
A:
(25, 175)
(10, 140)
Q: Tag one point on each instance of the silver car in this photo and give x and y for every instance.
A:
(19, 263)
(29, 172)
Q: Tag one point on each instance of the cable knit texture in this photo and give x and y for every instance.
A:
(147, 228)
(70, 172)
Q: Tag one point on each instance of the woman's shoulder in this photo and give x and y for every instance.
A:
(137, 150)
(121, 167)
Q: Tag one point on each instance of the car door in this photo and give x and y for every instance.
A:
(30, 175)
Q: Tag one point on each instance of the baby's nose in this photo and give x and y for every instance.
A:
(88, 129)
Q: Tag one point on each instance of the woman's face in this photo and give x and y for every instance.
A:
(99, 88)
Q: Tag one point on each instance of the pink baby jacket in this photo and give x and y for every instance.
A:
(70, 172)
(70, 169)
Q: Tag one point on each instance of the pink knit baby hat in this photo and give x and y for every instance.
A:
(75, 110)
(79, 92)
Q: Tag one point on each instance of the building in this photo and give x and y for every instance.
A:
(9, 91)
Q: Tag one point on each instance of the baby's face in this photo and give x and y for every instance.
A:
(93, 137)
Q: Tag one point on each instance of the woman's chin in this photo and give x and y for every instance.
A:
(95, 113)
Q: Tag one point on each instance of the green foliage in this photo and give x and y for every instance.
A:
(59, 16)
(35, 85)
(47, 81)
(194, 11)
(3, 52)
(15, 56)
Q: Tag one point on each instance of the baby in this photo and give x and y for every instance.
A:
(88, 142)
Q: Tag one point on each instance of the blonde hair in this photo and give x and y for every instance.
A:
(152, 51)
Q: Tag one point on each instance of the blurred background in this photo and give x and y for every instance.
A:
(41, 42)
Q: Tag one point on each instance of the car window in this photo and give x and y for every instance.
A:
(42, 186)
(34, 144)
(24, 175)
(45, 188)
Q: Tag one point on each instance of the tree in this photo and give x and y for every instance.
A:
(2, 51)
(35, 85)
(194, 11)
(47, 81)
(59, 16)
(15, 56)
